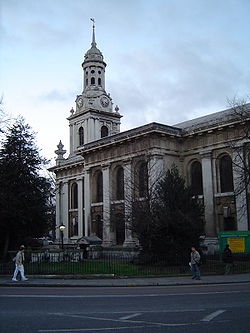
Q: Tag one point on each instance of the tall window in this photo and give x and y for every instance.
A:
(143, 180)
(99, 81)
(196, 178)
(104, 131)
(92, 81)
(99, 187)
(120, 184)
(226, 174)
(74, 196)
(81, 136)
(73, 213)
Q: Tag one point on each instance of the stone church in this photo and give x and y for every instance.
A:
(106, 168)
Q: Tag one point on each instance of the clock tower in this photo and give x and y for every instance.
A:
(93, 117)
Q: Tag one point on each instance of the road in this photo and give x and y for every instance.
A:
(180, 309)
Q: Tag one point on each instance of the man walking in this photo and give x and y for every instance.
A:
(19, 260)
(195, 261)
(228, 259)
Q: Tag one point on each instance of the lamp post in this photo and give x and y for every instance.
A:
(62, 227)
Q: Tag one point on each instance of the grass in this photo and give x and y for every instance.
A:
(102, 267)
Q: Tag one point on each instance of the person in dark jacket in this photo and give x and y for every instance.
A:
(228, 259)
(195, 262)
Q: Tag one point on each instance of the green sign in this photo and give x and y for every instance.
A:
(238, 241)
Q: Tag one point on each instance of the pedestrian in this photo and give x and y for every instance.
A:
(19, 260)
(228, 260)
(194, 264)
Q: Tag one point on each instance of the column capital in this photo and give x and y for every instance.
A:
(87, 170)
(206, 153)
(105, 166)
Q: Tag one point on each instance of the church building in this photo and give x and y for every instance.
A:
(106, 169)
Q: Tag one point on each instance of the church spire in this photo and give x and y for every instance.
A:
(93, 44)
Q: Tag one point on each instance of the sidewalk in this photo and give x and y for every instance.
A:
(104, 281)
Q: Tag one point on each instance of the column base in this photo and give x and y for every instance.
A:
(129, 243)
(107, 243)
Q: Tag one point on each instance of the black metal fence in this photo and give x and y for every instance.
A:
(63, 263)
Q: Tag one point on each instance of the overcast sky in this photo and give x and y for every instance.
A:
(167, 60)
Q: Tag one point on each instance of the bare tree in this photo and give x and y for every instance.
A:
(241, 153)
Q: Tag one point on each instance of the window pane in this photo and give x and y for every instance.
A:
(120, 184)
(196, 178)
(226, 174)
(143, 180)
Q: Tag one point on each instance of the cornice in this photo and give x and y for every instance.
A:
(91, 111)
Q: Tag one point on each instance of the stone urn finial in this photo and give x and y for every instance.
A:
(60, 152)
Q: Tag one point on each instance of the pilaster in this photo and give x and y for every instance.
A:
(155, 170)
(208, 192)
(128, 197)
(87, 202)
(80, 207)
(106, 206)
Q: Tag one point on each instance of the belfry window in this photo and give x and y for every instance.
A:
(81, 136)
(104, 131)
(92, 80)
(196, 178)
(226, 174)
(99, 81)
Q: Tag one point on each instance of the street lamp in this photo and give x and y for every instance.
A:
(62, 227)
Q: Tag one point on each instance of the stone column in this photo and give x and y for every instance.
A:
(240, 188)
(106, 206)
(91, 130)
(128, 198)
(58, 208)
(65, 209)
(80, 206)
(208, 192)
(71, 139)
(87, 202)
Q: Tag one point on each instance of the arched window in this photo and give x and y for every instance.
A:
(99, 187)
(74, 196)
(143, 180)
(104, 131)
(99, 81)
(120, 184)
(87, 82)
(196, 178)
(92, 80)
(226, 174)
(81, 136)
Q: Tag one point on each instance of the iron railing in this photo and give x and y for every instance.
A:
(64, 263)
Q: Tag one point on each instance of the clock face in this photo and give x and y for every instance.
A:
(80, 102)
(104, 101)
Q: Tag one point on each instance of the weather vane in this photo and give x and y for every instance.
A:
(93, 20)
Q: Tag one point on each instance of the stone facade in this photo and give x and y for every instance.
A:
(106, 168)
